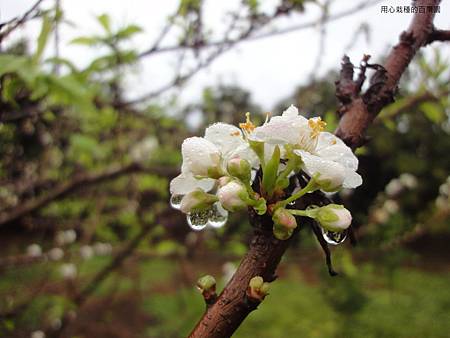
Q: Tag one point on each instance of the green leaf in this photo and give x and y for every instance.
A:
(270, 172)
(433, 111)
(11, 63)
(86, 41)
(128, 31)
(42, 39)
(105, 22)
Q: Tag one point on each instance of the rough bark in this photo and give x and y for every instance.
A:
(357, 111)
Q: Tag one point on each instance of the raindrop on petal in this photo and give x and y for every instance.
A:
(175, 201)
(334, 238)
(198, 220)
(218, 216)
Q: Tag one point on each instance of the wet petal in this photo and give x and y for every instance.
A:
(199, 154)
(186, 182)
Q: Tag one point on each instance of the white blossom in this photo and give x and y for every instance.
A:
(68, 270)
(321, 152)
(86, 251)
(65, 237)
(34, 250)
(37, 334)
(55, 254)
(209, 155)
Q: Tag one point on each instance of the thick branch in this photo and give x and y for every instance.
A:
(361, 109)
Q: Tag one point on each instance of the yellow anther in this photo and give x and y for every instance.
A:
(236, 133)
(333, 141)
(317, 126)
(248, 126)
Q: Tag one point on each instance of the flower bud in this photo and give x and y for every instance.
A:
(334, 217)
(207, 282)
(284, 218)
(197, 200)
(207, 286)
(257, 289)
(240, 168)
(232, 196)
(224, 180)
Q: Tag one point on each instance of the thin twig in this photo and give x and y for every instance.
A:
(16, 22)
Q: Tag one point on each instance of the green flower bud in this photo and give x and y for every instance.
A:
(240, 168)
(257, 289)
(334, 217)
(284, 218)
(207, 282)
(197, 200)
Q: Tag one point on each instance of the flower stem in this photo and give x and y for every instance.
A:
(310, 187)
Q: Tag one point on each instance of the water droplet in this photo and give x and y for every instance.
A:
(218, 216)
(334, 238)
(198, 220)
(175, 201)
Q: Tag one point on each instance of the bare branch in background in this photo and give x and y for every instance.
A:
(79, 181)
(310, 24)
(14, 23)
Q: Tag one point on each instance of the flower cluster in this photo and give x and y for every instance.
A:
(218, 171)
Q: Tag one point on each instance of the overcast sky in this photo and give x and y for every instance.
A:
(269, 68)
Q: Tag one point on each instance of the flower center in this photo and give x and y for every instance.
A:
(248, 125)
(317, 126)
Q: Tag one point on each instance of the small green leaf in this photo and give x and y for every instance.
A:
(105, 22)
(86, 41)
(433, 111)
(128, 31)
(43, 38)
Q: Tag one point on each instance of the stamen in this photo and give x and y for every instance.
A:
(317, 126)
(248, 126)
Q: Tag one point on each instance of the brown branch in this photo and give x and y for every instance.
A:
(225, 316)
(294, 28)
(439, 35)
(16, 22)
(79, 181)
(359, 109)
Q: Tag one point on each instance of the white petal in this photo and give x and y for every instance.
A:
(199, 154)
(245, 152)
(291, 112)
(352, 179)
(316, 164)
(186, 182)
(334, 149)
(277, 132)
(225, 136)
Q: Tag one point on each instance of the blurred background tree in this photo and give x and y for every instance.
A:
(91, 247)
